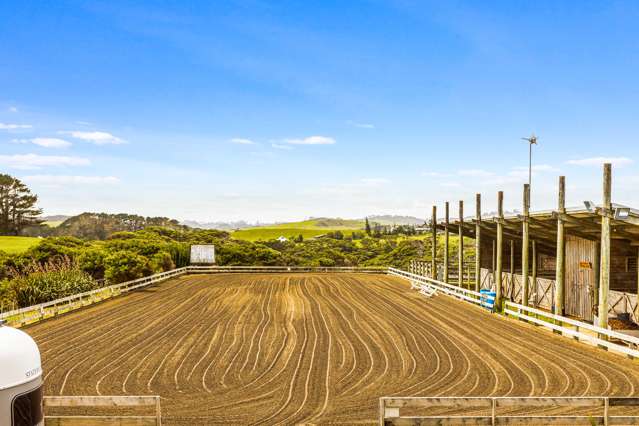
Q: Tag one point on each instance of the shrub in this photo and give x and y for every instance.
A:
(43, 282)
(122, 265)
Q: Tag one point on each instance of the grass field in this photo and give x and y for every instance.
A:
(17, 244)
(308, 349)
(307, 228)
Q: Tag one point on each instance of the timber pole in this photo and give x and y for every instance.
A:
(478, 243)
(524, 247)
(604, 275)
(499, 249)
(433, 264)
(446, 249)
(494, 262)
(560, 269)
(460, 263)
(534, 271)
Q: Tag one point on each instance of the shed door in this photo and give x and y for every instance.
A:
(580, 273)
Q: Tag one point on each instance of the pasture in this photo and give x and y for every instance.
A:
(13, 245)
(308, 229)
(308, 348)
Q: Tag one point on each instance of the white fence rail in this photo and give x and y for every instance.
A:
(29, 314)
(597, 336)
(390, 410)
(284, 269)
(451, 290)
(103, 401)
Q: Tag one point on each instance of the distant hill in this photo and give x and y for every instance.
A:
(99, 226)
(396, 220)
(223, 226)
(55, 218)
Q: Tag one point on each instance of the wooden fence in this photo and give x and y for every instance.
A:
(449, 289)
(103, 401)
(390, 410)
(284, 269)
(569, 327)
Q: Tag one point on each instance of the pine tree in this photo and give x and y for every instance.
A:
(368, 228)
(17, 206)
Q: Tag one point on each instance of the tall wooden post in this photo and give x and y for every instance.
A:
(596, 268)
(560, 268)
(524, 247)
(433, 262)
(446, 257)
(534, 272)
(500, 249)
(494, 262)
(512, 269)
(604, 279)
(477, 242)
(460, 263)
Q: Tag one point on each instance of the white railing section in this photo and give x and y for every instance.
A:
(598, 336)
(390, 410)
(277, 269)
(152, 401)
(29, 314)
(451, 290)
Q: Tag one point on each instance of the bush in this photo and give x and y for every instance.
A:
(123, 265)
(43, 282)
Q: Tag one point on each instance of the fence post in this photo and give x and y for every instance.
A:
(478, 242)
(500, 247)
(604, 277)
(606, 405)
(560, 274)
(493, 421)
(460, 260)
(446, 246)
(433, 268)
(158, 411)
(524, 247)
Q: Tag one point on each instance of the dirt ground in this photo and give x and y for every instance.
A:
(308, 348)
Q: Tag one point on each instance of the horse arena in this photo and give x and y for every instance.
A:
(308, 348)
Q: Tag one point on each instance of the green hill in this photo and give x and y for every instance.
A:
(307, 228)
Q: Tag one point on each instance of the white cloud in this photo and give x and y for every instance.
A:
(280, 146)
(45, 142)
(34, 161)
(375, 181)
(597, 161)
(13, 109)
(8, 126)
(98, 138)
(312, 140)
(537, 168)
(450, 185)
(360, 125)
(242, 141)
(436, 174)
(71, 180)
(475, 173)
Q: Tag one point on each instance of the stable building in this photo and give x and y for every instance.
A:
(580, 262)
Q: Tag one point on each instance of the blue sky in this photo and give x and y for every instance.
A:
(284, 110)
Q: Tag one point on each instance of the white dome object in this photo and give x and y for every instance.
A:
(19, 358)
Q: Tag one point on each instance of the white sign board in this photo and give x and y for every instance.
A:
(203, 254)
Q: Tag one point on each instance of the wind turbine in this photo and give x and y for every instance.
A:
(532, 140)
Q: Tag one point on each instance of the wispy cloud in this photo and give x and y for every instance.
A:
(34, 161)
(537, 168)
(450, 184)
(375, 181)
(9, 126)
(360, 125)
(45, 142)
(436, 174)
(13, 109)
(280, 146)
(71, 180)
(242, 141)
(597, 161)
(312, 140)
(96, 137)
(475, 173)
